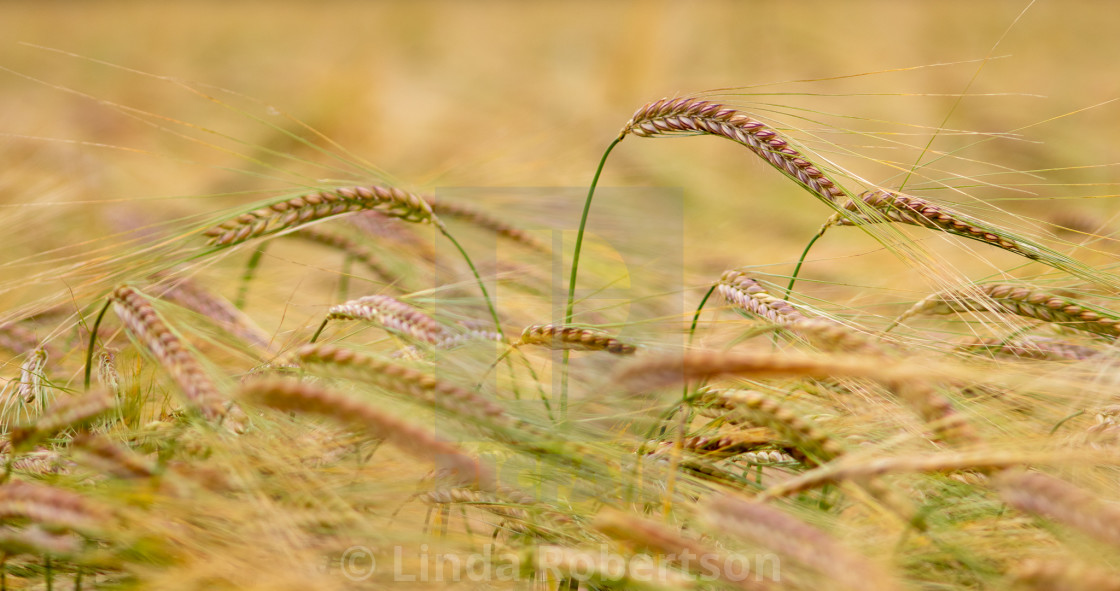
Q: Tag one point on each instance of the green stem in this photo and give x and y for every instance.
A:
(570, 304)
(696, 316)
(579, 235)
(685, 398)
(315, 337)
(478, 278)
(93, 340)
(247, 277)
(801, 261)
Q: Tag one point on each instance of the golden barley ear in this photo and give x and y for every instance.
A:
(880, 205)
(555, 336)
(1019, 300)
(297, 211)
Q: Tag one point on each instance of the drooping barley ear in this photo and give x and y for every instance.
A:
(110, 457)
(795, 539)
(393, 315)
(142, 320)
(851, 469)
(303, 397)
(194, 297)
(1019, 300)
(1060, 575)
(51, 507)
(749, 296)
(300, 210)
(480, 219)
(746, 293)
(910, 388)
(667, 542)
(1030, 347)
(880, 205)
(722, 445)
(757, 408)
(690, 116)
(65, 413)
(349, 247)
(1056, 499)
(554, 336)
(420, 385)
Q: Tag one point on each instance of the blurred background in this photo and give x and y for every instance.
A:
(515, 94)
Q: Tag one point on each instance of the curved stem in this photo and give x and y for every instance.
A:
(315, 337)
(570, 305)
(247, 277)
(801, 261)
(696, 316)
(93, 340)
(478, 278)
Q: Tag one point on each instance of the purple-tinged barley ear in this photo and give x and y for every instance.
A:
(1020, 300)
(881, 205)
(142, 320)
(393, 315)
(691, 115)
(1029, 347)
(746, 294)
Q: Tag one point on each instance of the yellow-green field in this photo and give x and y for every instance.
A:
(324, 251)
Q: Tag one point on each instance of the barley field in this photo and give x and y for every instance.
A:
(572, 295)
